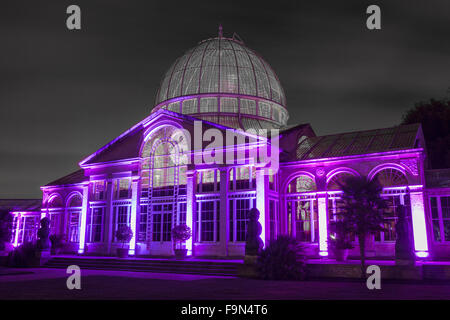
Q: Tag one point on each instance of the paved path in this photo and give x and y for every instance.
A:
(51, 284)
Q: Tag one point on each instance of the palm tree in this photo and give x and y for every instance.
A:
(363, 210)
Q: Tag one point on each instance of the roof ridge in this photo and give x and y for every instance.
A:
(374, 130)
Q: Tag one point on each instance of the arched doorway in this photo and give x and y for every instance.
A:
(396, 193)
(302, 209)
(163, 197)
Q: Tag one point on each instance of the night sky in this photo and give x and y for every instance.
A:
(64, 94)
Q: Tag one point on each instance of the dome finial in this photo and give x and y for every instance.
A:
(220, 31)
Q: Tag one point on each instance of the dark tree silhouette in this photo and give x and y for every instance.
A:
(363, 210)
(5, 228)
(434, 115)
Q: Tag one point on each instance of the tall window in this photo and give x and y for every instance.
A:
(208, 220)
(303, 214)
(144, 180)
(95, 224)
(28, 228)
(74, 211)
(167, 227)
(182, 213)
(142, 236)
(239, 218)
(335, 211)
(390, 217)
(440, 216)
(55, 222)
(121, 217)
(273, 219)
(302, 210)
(162, 222)
(156, 221)
(74, 226)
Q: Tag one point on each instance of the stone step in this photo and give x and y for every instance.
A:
(149, 261)
(160, 266)
(138, 264)
(146, 267)
(157, 270)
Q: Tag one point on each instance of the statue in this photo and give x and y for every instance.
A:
(253, 245)
(43, 242)
(404, 251)
(253, 242)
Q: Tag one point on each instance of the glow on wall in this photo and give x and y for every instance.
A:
(419, 225)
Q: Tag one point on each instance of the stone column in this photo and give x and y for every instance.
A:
(109, 216)
(418, 223)
(224, 231)
(323, 224)
(262, 201)
(133, 214)
(190, 208)
(84, 209)
(18, 225)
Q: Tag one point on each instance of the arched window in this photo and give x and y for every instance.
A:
(55, 206)
(391, 177)
(73, 222)
(75, 201)
(164, 164)
(302, 183)
(337, 180)
(55, 202)
(163, 175)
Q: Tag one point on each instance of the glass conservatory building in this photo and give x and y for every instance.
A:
(146, 178)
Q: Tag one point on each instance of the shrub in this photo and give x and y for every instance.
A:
(124, 234)
(24, 256)
(282, 259)
(181, 233)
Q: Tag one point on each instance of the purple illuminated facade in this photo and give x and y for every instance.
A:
(135, 180)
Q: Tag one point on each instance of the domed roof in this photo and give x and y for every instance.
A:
(224, 67)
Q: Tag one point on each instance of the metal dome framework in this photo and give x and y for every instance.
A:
(223, 81)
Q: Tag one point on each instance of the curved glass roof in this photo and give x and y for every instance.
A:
(221, 65)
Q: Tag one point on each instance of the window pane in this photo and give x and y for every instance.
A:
(445, 206)
(434, 208)
(436, 231)
(447, 230)
(207, 221)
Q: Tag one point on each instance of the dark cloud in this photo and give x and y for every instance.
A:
(64, 94)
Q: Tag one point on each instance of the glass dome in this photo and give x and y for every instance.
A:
(223, 81)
